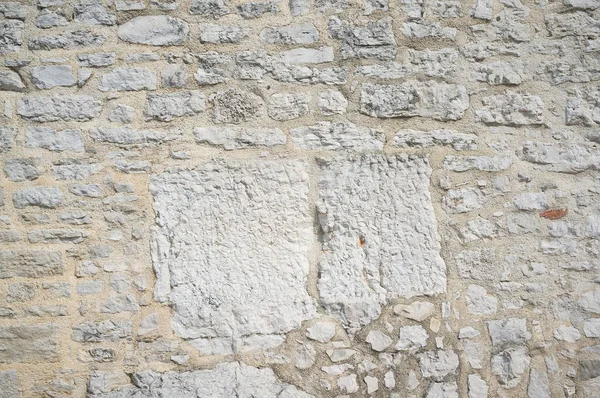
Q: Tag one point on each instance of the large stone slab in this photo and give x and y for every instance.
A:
(379, 235)
(230, 379)
(230, 252)
(28, 343)
(155, 30)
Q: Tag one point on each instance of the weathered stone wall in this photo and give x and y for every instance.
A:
(296, 198)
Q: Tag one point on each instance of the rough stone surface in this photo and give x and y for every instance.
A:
(288, 197)
(356, 275)
(253, 311)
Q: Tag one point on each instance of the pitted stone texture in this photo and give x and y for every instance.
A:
(236, 106)
(155, 30)
(379, 235)
(29, 343)
(245, 220)
(239, 137)
(212, 33)
(80, 108)
(373, 40)
(209, 8)
(511, 109)
(229, 379)
(439, 101)
(9, 384)
(288, 106)
(338, 136)
(166, 107)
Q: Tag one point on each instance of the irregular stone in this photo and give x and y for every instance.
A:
(390, 70)
(425, 139)
(89, 190)
(412, 338)
(29, 343)
(49, 18)
(174, 76)
(299, 7)
(463, 200)
(11, 32)
(13, 10)
(128, 79)
(26, 169)
(115, 305)
(531, 201)
(306, 55)
(373, 40)
(220, 34)
(96, 59)
(567, 333)
(89, 287)
(359, 229)
(47, 77)
(436, 365)
(21, 292)
(588, 369)
(227, 379)
(129, 136)
(443, 390)
(438, 63)
(155, 30)
(73, 169)
(47, 197)
(482, 10)
(481, 163)
(9, 383)
(511, 109)
(7, 135)
(9, 236)
(288, 106)
(75, 217)
(590, 301)
(132, 167)
(332, 102)
(148, 325)
(166, 107)
(57, 236)
(417, 310)
(305, 356)
(92, 12)
(236, 106)
(479, 302)
(67, 41)
(321, 331)
(577, 23)
(495, 73)
(30, 264)
(348, 384)
(257, 9)
(508, 331)
(582, 4)
(591, 327)
(378, 340)
(80, 108)
(239, 137)
(439, 101)
(53, 140)
(562, 157)
(509, 366)
(423, 30)
(338, 136)
(11, 81)
(108, 330)
(468, 333)
(267, 312)
(209, 8)
(304, 33)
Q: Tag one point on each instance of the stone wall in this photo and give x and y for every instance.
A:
(328, 198)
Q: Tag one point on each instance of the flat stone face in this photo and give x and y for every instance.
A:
(229, 379)
(166, 107)
(29, 343)
(128, 79)
(46, 77)
(30, 264)
(53, 140)
(379, 235)
(156, 30)
(439, 101)
(244, 220)
(79, 108)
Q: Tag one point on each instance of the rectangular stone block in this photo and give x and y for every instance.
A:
(29, 343)
(30, 264)
(380, 237)
(244, 230)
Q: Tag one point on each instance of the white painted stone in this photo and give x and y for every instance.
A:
(234, 303)
(369, 245)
